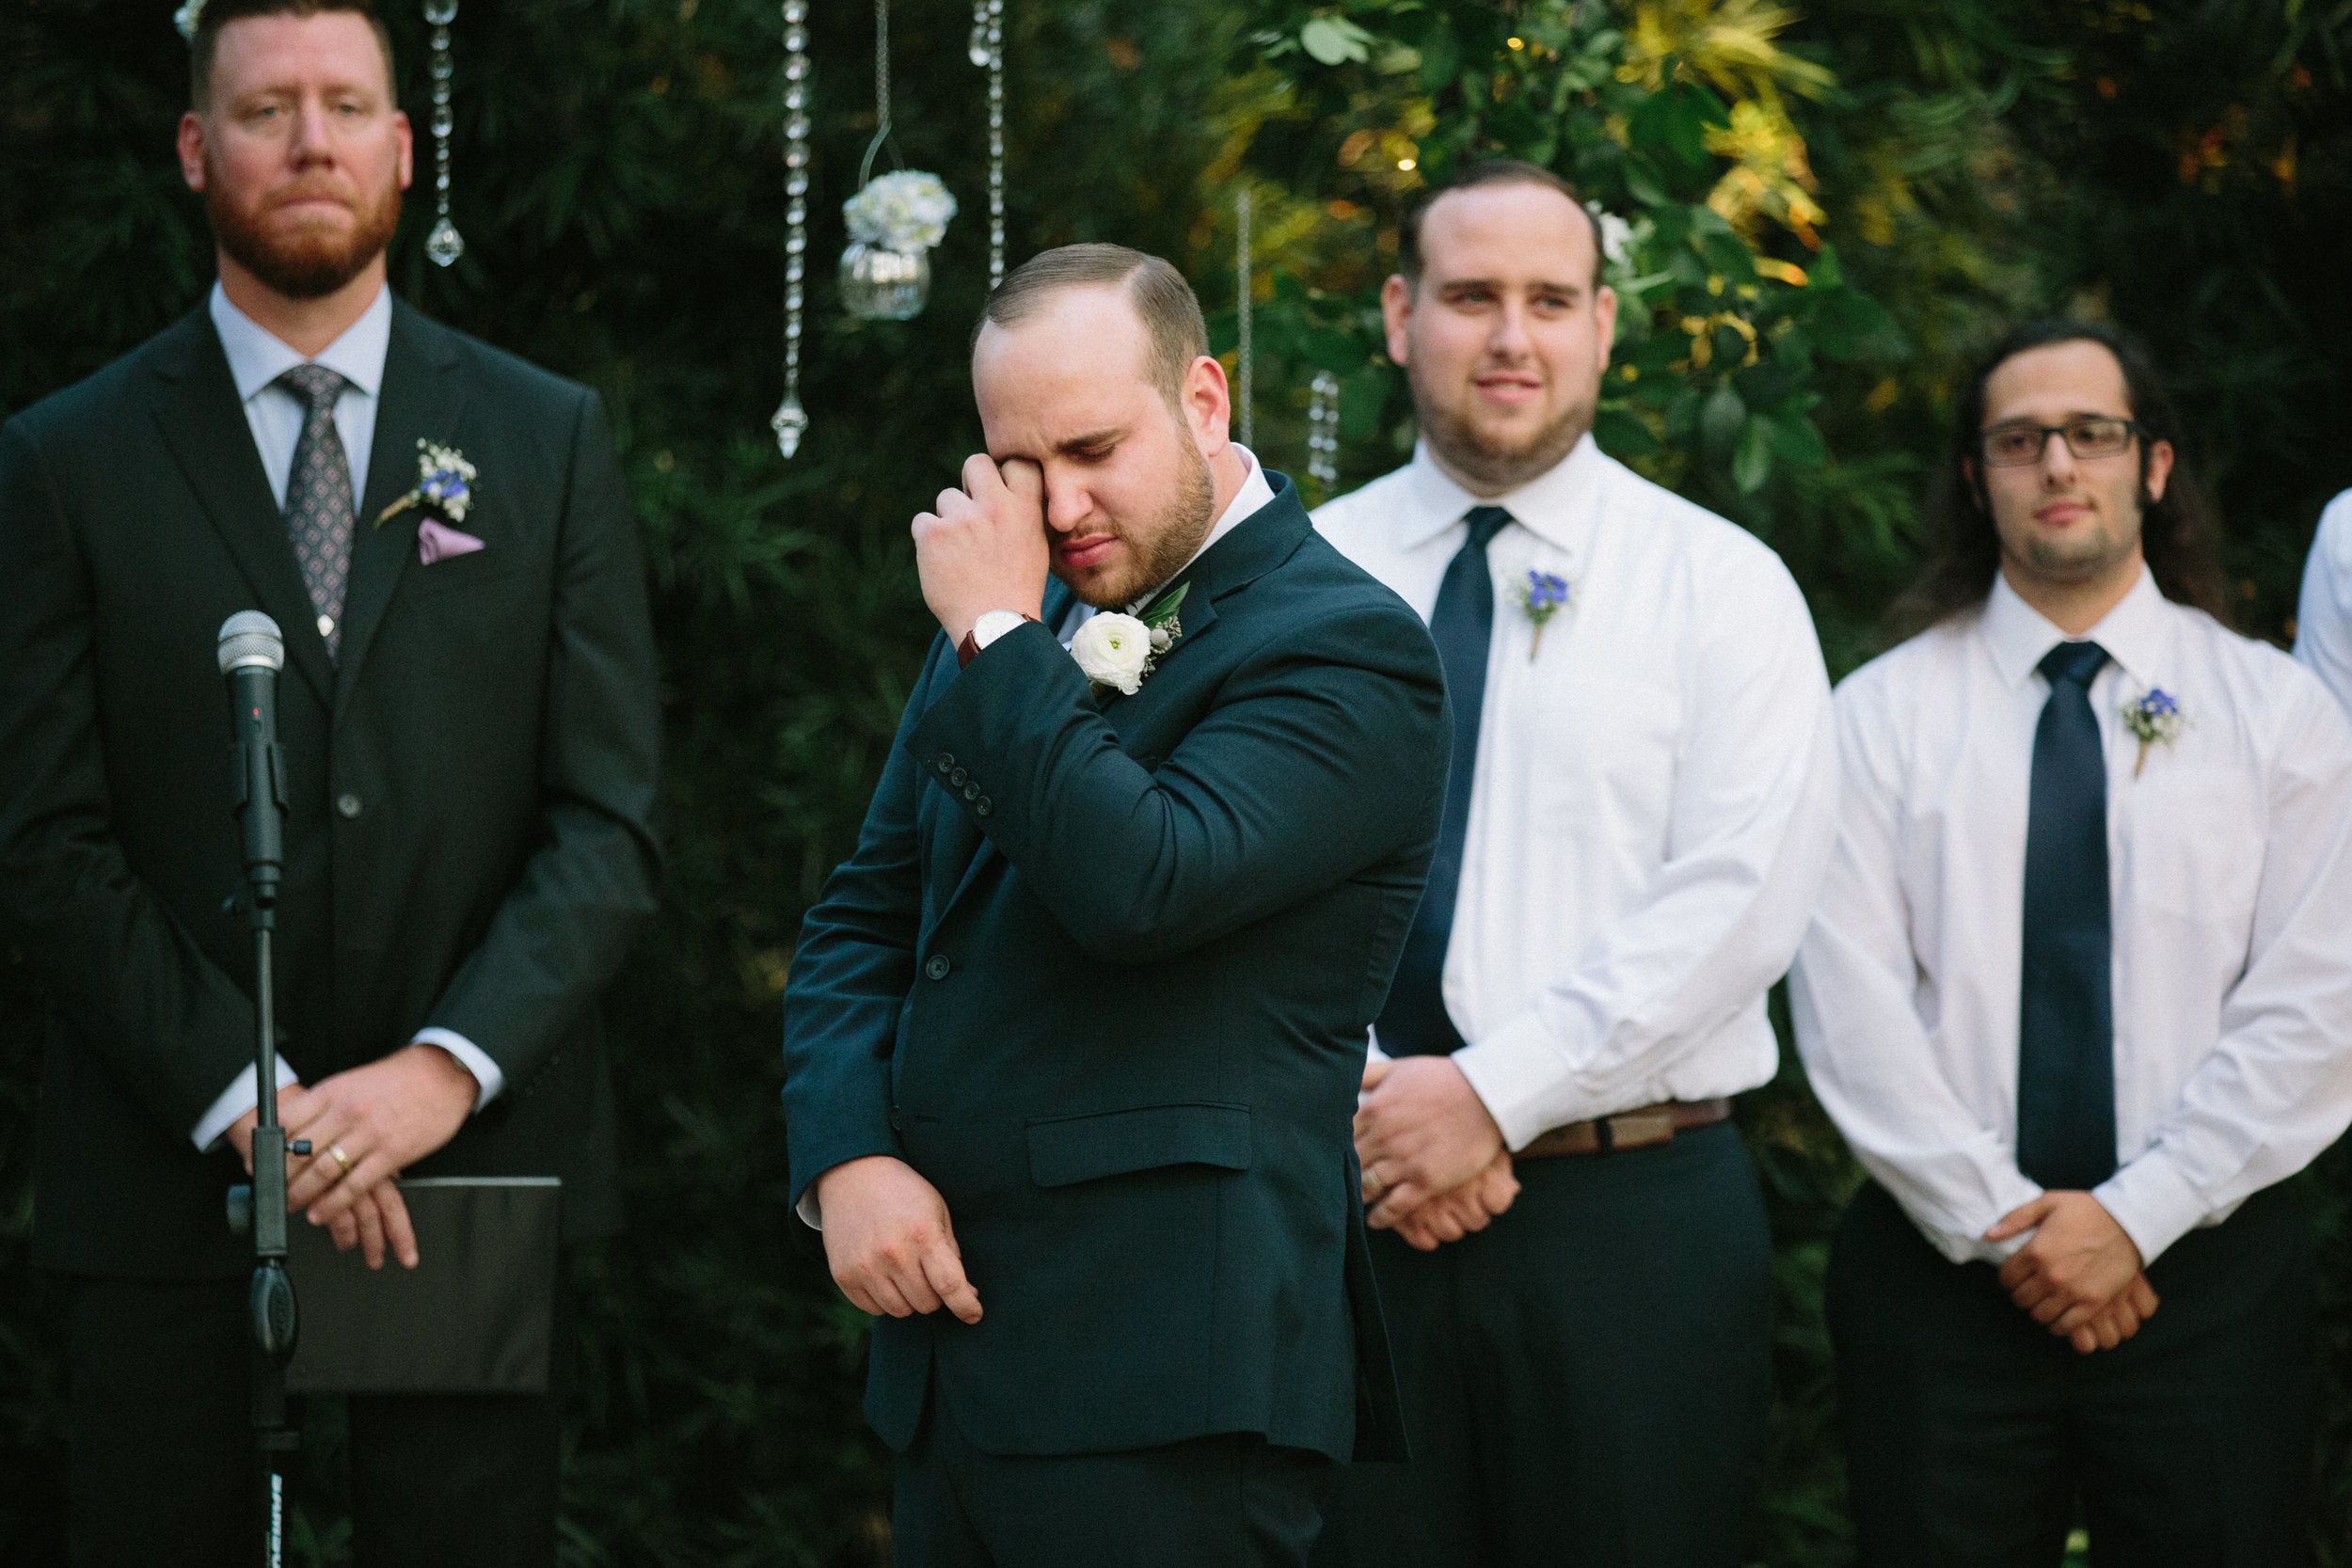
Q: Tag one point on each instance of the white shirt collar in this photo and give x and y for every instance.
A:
(1555, 505)
(2018, 636)
(258, 357)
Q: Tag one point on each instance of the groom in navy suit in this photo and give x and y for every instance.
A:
(1073, 1038)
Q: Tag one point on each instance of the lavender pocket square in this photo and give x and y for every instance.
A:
(438, 540)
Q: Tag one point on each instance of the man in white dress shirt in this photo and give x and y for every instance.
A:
(2323, 620)
(1642, 802)
(2079, 995)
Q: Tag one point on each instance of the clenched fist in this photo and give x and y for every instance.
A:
(985, 547)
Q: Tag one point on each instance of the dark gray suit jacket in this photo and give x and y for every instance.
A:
(469, 841)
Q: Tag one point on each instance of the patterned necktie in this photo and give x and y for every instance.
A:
(1414, 1022)
(320, 510)
(2066, 1005)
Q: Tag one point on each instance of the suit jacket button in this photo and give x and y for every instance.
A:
(982, 806)
(938, 966)
(946, 760)
(971, 792)
(958, 778)
(347, 805)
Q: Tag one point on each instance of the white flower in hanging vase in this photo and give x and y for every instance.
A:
(894, 222)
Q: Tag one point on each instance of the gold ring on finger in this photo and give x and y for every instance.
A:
(340, 1157)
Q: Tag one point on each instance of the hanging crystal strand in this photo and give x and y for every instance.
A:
(790, 419)
(1241, 268)
(444, 245)
(1323, 430)
(995, 52)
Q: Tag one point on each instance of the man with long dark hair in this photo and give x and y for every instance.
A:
(2075, 994)
(469, 724)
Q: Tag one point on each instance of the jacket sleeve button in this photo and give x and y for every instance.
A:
(945, 762)
(982, 806)
(347, 805)
(958, 778)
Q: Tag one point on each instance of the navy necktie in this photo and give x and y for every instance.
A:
(2066, 1006)
(1414, 1022)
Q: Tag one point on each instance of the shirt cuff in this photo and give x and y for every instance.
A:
(810, 1214)
(2152, 1202)
(1509, 1070)
(469, 1057)
(235, 1102)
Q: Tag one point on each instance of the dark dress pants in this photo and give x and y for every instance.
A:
(1974, 1435)
(163, 1470)
(1227, 1501)
(1587, 1381)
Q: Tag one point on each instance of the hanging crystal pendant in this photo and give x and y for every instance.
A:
(976, 49)
(1323, 430)
(790, 422)
(994, 59)
(444, 245)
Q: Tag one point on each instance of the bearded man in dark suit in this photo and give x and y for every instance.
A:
(1072, 1040)
(470, 726)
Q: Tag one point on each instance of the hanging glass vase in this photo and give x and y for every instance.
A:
(878, 283)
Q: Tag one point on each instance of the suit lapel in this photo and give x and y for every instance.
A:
(420, 398)
(205, 426)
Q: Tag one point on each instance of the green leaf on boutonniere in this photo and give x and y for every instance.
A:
(1164, 610)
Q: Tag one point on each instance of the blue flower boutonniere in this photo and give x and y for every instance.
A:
(1543, 596)
(444, 485)
(2152, 719)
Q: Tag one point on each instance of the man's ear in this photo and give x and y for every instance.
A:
(1208, 405)
(1396, 309)
(2156, 472)
(190, 145)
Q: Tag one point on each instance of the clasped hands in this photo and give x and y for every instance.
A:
(2080, 1276)
(1434, 1166)
(382, 1118)
(985, 547)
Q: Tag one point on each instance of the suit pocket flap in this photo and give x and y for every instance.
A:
(1111, 1143)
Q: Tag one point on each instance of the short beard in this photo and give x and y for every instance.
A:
(1173, 539)
(309, 265)
(1496, 469)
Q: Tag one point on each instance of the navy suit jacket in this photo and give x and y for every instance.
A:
(1101, 969)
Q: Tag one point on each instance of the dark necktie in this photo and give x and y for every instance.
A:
(319, 507)
(2066, 1011)
(1414, 1022)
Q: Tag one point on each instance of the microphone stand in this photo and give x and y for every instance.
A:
(261, 1206)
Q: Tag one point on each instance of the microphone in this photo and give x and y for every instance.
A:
(251, 653)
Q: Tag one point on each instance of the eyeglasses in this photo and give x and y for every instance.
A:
(2014, 446)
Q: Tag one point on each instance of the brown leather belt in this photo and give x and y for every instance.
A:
(1651, 1124)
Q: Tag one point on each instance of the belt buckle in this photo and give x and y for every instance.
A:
(1639, 1129)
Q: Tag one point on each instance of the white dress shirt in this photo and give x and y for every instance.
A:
(2230, 875)
(2323, 620)
(1654, 795)
(275, 415)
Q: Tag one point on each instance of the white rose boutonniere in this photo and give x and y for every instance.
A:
(1113, 650)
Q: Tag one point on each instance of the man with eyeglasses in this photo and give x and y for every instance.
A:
(2076, 992)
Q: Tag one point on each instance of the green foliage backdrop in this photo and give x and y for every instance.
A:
(1830, 214)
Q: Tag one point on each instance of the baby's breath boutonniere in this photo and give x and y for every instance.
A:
(1119, 651)
(444, 485)
(2153, 719)
(1543, 596)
